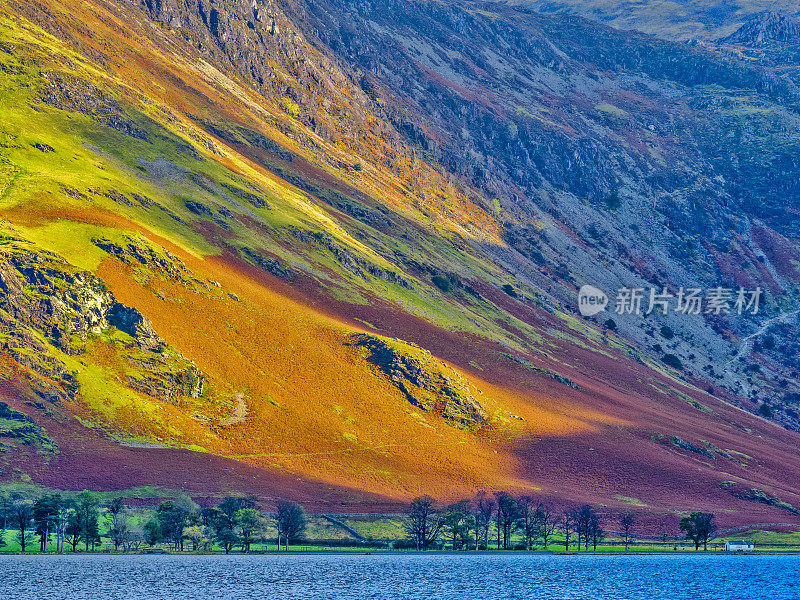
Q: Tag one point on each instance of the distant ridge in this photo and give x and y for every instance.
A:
(765, 28)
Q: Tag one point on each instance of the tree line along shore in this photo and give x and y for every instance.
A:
(82, 522)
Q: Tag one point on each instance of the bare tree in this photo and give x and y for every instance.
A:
(62, 522)
(22, 514)
(596, 532)
(290, 522)
(484, 509)
(568, 525)
(134, 539)
(424, 522)
(627, 520)
(583, 518)
(527, 511)
(506, 517)
(588, 526)
(546, 522)
(457, 523)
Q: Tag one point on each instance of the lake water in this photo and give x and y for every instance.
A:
(401, 576)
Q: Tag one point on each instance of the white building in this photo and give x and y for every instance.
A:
(740, 546)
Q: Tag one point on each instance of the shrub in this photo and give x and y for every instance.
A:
(443, 283)
(613, 201)
(509, 289)
(673, 361)
(290, 107)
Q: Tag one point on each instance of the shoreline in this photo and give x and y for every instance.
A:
(423, 553)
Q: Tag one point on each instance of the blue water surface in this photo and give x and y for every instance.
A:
(402, 576)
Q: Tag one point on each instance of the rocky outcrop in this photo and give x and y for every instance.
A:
(41, 292)
(426, 382)
(166, 378)
(147, 261)
(742, 492)
(73, 94)
(356, 264)
(39, 306)
(19, 428)
(269, 264)
(136, 253)
(257, 39)
(765, 28)
(47, 307)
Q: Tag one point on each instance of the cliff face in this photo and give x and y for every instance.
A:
(48, 308)
(271, 52)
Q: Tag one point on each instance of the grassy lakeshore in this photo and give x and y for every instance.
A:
(767, 542)
(343, 551)
(148, 520)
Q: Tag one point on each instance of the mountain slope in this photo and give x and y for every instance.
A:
(615, 159)
(305, 239)
(698, 19)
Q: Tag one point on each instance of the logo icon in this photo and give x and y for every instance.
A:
(591, 300)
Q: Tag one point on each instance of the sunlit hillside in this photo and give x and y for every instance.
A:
(209, 286)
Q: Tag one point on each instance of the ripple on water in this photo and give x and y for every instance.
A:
(400, 576)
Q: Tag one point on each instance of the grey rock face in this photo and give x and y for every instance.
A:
(425, 382)
(44, 302)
